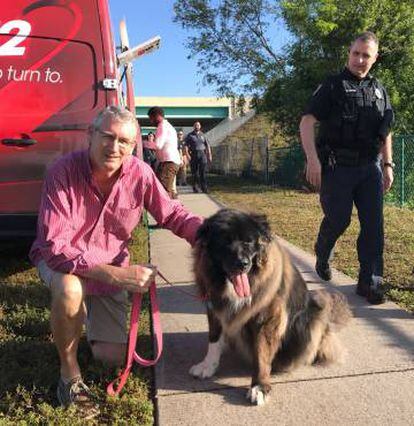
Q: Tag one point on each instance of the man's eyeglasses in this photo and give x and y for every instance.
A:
(122, 142)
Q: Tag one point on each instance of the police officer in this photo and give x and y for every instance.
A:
(200, 155)
(355, 118)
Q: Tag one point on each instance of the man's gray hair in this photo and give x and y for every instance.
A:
(366, 37)
(116, 113)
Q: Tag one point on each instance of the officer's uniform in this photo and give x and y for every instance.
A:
(197, 145)
(355, 117)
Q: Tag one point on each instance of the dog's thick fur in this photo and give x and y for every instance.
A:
(281, 324)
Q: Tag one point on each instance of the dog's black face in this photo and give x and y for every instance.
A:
(234, 239)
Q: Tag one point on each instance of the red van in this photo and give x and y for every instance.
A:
(58, 68)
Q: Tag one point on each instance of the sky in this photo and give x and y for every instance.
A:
(166, 71)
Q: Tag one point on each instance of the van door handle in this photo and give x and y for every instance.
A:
(19, 142)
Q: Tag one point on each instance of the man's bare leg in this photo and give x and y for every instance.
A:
(109, 353)
(67, 317)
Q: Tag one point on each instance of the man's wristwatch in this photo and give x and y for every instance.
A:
(389, 164)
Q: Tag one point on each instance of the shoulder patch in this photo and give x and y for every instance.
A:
(317, 90)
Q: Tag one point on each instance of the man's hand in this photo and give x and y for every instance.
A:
(135, 278)
(313, 173)
(388, 178)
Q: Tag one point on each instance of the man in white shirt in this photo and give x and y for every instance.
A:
(166, 148)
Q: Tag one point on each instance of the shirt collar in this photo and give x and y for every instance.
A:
(348, 74)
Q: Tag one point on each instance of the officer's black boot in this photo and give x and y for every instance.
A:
(372, 290)
(376, 294)
(322, 267)
(323, 270)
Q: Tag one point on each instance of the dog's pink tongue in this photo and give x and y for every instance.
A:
(241, 285)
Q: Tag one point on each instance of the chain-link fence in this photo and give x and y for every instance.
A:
(242, 158)
(402, 192)
(285, 166)
(254, 159)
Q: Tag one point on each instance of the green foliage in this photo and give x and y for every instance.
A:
(323, 31)
(29, 361)
(231, 42)
(237, 48)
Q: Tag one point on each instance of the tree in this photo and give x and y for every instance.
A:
(323, 31)
(241, 105)
(236, 47)
(231, 42)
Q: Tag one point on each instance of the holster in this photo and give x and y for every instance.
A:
(342, 157)
(350, 158)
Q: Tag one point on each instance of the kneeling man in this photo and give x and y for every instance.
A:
(91, 202)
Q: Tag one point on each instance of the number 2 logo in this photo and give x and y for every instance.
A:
(11, 47)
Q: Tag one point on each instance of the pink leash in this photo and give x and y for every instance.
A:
(133, 336)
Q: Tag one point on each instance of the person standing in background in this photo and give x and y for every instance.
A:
(148, 154)
(200, 155)
(182, 149)
(166, 148)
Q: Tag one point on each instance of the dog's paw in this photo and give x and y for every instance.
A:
(203, 370)
(257, 396)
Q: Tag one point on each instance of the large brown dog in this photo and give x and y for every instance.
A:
(258, 302)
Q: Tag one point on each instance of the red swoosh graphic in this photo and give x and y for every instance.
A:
(17, 93)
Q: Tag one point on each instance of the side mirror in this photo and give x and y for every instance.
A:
(129, 55)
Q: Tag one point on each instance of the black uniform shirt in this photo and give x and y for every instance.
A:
(333, 105)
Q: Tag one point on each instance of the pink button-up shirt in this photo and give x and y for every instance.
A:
(79, 229)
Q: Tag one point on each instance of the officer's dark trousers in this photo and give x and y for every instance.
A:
(342, 187)
(198, 166)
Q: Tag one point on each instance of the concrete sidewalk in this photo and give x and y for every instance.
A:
(374, 386)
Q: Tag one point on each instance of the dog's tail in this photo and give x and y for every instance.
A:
(333, 306)
(335, 309)
(340, 313)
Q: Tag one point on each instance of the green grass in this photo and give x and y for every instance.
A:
(29, 361)
(295, 216)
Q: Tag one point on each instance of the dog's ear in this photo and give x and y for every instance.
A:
(264, 238)
(263, 227)
(262, 255)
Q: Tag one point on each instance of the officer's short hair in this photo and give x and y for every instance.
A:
(366, 37)
(155, 111)
(116, 113)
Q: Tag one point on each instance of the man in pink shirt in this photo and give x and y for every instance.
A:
(166, 146)
(91, 202)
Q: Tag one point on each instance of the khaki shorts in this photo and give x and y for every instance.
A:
(106, 316)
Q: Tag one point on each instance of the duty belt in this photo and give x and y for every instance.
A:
(348, 157)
